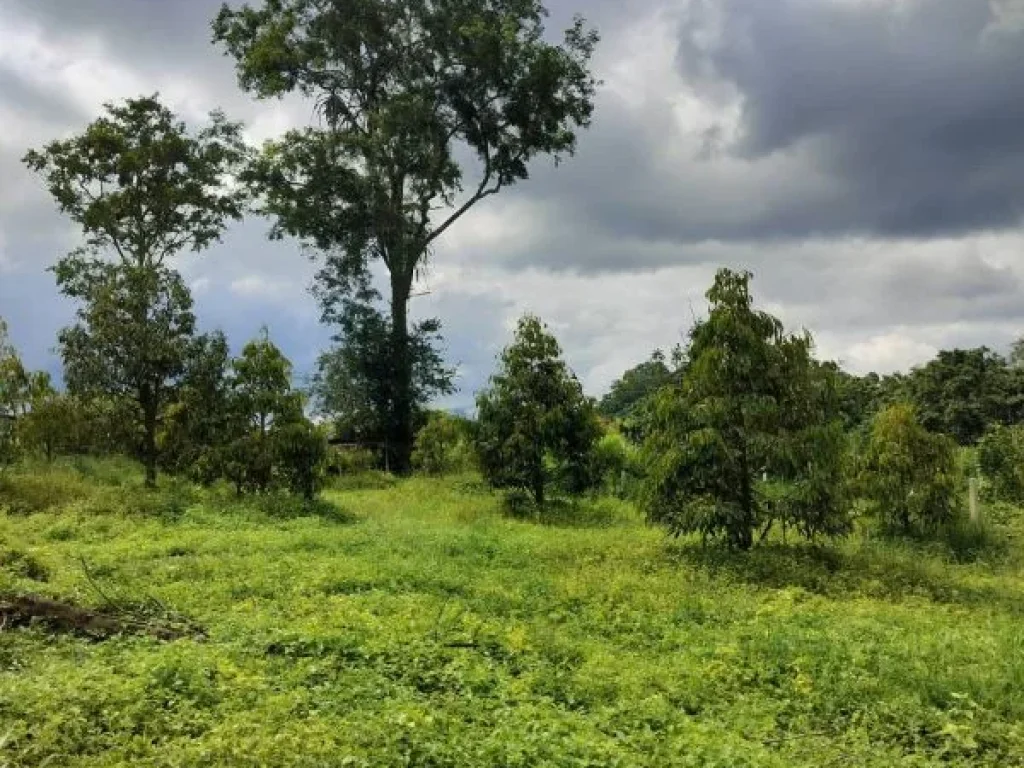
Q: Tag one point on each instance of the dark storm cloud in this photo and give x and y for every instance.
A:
(915, 107)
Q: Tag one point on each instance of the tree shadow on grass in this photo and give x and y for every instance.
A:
(875, 571)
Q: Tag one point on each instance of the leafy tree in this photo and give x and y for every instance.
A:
(962, 391)
(1016, 358)
(142, 188)
(751, 434)
(300, 450)
(13, 381)
(1001, 460)
(355, 385)
(535, 427)
(638, 384)
(401, 86)
(907, 474)
(199, 423)
(443, 445)
(55, 425)
(261, 400)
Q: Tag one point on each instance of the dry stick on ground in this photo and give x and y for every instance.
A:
(23, 610)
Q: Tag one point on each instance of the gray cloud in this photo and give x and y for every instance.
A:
(914, 107)
(865, 159)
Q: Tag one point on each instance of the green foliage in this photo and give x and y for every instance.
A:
(142, 188)
(200, 421)
(535, 427)
(426, 628)
(962, 391)
(619, 464)
(444, 445)
(1001, 460)
(369, 179)
(12, 383)
(355, 383)
(752, 433)
(56, 424)
(907, 474)
(640, 383)
(300, 451)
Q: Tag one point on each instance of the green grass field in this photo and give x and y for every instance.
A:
(412, 624)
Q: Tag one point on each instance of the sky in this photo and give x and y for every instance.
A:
(864, 158)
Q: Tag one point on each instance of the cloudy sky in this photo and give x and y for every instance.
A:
(865, 158)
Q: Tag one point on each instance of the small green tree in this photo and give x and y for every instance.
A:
(535, 427)
(300, 452)
(12, 384)
(750, 436)
(199, 423)
(907, 474)
(1001, 460)
(443, 445)
(261, 401)
(142, 188)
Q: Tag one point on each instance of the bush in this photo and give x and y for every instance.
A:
(1001, 461)
(617, 462)
(301, 452)
(908, 475)
(443, 445)
(350, 461)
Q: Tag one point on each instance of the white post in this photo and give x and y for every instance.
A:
(975, 511)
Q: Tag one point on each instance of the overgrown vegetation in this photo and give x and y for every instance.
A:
(423, 627)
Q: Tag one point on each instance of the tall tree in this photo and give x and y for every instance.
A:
(639, 383)
(962, 391)
(143, 188)
(400, 85)
(535, 427)
(751, 435)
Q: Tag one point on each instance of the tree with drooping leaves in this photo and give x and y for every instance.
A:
(405, 90)
(907, 474)
(750, 436)
(535, 427)
(143, 188)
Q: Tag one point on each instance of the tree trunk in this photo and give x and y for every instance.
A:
(400, 427)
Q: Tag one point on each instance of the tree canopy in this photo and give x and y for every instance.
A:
(401, 88)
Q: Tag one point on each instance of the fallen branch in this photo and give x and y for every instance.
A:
(26, 610)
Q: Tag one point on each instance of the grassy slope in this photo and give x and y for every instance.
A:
(430, 631)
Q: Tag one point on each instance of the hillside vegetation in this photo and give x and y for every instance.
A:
(413, 623)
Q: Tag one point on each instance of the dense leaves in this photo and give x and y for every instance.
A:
(400, 87)
(142, 188)
(535, 427)
(444, 445)
(751, 435)
(907, 474)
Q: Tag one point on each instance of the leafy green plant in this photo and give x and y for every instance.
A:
(751, 436)
(1001, 461)
(907, 474)
(444, 445)
(535, 427)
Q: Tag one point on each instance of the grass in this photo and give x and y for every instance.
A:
(411, 623)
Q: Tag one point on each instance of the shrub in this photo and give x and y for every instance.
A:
(907, 474)
(301, 452)
(1001, 460)
(443, 445)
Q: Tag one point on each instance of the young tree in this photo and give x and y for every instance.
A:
(400, 86)
(534, 424)
(13, 384)
(907, 474)
(261, 400)
(1001, 460)
(443, 445)
(751, 434)
(354, 385)
(199, 423)
(142, 188)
